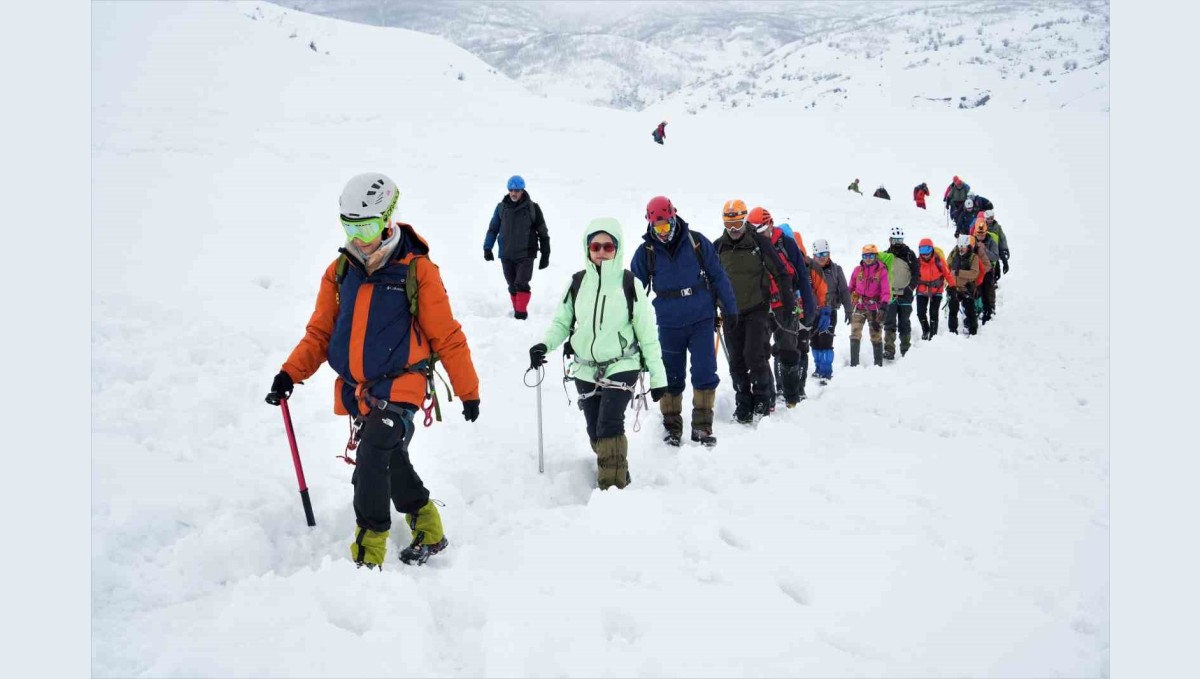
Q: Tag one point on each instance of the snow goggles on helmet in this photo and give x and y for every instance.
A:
(602, 247)
(364, 229)
(926, 249)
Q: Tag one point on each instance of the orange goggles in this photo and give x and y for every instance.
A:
(663, 226)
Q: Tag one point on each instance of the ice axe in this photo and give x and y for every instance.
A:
(287, 424)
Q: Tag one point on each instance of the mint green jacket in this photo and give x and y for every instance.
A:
(602, 329)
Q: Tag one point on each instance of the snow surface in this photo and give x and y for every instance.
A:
(944, 516)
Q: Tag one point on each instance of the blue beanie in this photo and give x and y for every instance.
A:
(516, 182)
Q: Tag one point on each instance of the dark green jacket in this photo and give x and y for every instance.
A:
(751, 263)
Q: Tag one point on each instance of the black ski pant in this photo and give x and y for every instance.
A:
(384, 470)
(988, 292)
(604, 410)
(749, 367)
(518, 273)
(956, 298)
(933, 305)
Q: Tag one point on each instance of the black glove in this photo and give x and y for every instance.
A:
(545, 261)
(537, 356)
(657, 393)
(848, 317)
(488, 256)
(717, 323)
(281, 388)
(1004, 262)
(471, 410)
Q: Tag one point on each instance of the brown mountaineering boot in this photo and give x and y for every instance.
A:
(671, 406)
(612, 467)
(703, 402)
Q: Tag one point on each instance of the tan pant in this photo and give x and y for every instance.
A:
(861, 317)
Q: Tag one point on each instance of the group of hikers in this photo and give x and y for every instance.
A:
(383, 321)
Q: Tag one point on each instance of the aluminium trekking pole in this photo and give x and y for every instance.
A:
(287, 423)
(541, 455)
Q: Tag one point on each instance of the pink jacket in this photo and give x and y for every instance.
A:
(869, 287)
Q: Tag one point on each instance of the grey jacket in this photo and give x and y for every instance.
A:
(839, 292)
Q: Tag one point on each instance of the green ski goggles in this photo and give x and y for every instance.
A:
(366, 229)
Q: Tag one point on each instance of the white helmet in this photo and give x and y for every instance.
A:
(820, 245)
(898, 232)
(969, 203)
(990, 214)
(368, 195)
(964, 240)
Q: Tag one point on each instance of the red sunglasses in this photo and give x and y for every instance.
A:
(603, 247)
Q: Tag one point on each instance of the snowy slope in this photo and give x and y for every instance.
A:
(799, 54)
(945, 516)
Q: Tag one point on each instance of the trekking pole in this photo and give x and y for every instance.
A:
(541, 455)
(287, 424)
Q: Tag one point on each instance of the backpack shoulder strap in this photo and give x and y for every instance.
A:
(340, 272)
(411, 285)
(650, 259)
(627, 282)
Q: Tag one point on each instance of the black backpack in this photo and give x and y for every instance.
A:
(627, 283)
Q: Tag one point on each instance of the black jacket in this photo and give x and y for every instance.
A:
(520, 227)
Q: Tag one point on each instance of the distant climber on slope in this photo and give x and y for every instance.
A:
(881, 193)
(660, 132)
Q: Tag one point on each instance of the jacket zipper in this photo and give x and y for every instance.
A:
(595, 306)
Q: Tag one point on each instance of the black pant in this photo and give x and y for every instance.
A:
(898, 313)
(932, 304)
(384, 471)
(956, 298)
(518, 273)
(605, 410)
(988, 292)
(748, 354)
(824, 340)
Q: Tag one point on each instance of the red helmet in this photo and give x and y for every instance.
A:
(659, 209)
(760, 219)
(957, 180)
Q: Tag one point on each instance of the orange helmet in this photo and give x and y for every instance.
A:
(760, 219)
(870, 249)
(980, 225)
(733, 213)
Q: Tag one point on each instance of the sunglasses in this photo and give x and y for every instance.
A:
(366, 229)
(515, 190)
(869, 255)
(603, 247)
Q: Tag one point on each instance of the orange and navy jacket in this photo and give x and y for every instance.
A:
(363, 327)
(935, 275)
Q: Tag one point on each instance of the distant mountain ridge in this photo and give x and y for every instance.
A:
(706, 56)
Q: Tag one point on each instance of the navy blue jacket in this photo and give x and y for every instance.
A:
(676, 268)
(803, 282)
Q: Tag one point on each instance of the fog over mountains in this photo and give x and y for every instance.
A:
(674, 57)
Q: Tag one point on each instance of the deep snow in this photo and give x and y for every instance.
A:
(945, 516)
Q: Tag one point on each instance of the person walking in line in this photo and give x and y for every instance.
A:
(681, 268)
(520, 227)
(609, 324)
(870, 293)
(838, 295)
(758, 279)
(382, 319)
